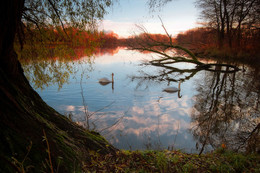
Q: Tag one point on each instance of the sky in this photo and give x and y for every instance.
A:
(177, 16)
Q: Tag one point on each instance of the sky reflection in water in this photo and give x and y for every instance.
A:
(148, 117)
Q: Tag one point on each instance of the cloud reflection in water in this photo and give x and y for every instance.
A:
(160, 121)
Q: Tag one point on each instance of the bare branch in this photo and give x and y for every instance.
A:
(58, 15)
(170, 38)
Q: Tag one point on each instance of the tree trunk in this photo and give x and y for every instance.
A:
(228, 27)
(26, 118)
(10, 18)
(222, 27)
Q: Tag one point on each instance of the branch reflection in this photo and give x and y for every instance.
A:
(226, 111)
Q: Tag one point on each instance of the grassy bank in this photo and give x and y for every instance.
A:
(173, 161)
(125, 161)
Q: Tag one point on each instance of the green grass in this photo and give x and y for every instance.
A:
(221, 160)
(173, 161)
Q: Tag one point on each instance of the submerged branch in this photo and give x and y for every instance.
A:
(170, 52)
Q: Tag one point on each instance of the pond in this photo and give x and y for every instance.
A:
(212, 108)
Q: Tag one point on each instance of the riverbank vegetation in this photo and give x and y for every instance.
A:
(173, 161)
(203, 42)
(53, 43)
(220, 160)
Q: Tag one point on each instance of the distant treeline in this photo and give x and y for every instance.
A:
(55, 42)
(70, 36)
(202, 41)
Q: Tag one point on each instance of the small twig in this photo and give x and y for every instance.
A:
(48, 150)
(176, 133)
(115, 123)
(169, 36)
(102, 108)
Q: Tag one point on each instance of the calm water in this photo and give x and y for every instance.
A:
(212, 107)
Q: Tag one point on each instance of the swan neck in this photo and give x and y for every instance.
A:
(179, 86)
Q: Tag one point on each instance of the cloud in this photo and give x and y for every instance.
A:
(70, 108)
(125, 29)
(138, 110)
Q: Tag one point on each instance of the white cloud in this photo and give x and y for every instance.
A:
(125, 29)
(70, 108)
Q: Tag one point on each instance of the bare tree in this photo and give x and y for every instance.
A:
(228, 17)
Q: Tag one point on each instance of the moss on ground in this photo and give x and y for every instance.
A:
(173, 161)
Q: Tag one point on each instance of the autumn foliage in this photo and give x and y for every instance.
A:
(71, 43)
(204, 41)
(148, 38)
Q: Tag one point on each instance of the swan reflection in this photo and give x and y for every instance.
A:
(105, 81)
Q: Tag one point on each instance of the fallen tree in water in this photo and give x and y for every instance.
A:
(171, 53)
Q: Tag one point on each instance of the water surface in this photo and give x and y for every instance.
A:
(211, 108)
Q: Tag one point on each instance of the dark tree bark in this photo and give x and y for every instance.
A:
(25, 117)
(10, 18)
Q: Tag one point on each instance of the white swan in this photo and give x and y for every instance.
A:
(173, 89)
(105, 81)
